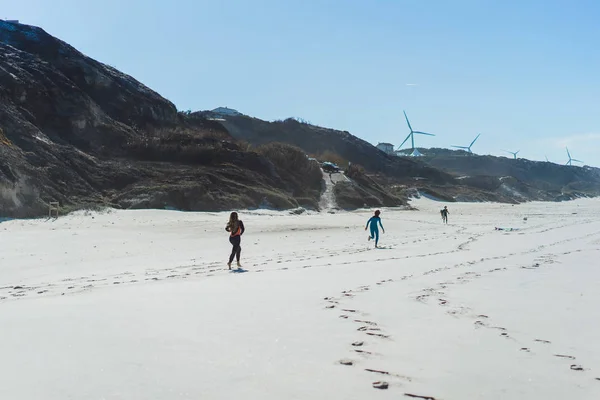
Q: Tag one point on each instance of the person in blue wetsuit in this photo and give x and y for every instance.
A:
(372, 222)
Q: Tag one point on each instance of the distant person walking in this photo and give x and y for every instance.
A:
(235, 227)
(444, 213)
(372, 223)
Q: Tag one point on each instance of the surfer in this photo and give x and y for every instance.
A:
(372, 223)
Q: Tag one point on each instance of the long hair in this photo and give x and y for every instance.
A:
(232, 225)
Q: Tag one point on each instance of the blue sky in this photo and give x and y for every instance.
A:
(524, 74)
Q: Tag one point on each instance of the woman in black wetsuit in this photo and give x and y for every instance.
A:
(235, 227)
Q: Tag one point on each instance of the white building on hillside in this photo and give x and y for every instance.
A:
(387, 148)
(224, 111)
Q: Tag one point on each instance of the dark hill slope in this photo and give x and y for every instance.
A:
(316, 140)
(446, 174)
(80, 132)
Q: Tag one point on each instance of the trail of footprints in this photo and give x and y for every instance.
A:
(481, 320)
(93, 281)
(372, 331)
(84, 283)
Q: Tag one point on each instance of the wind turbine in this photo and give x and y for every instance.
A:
(467, 148)
(411, 135)
(570, 162)
(513, 153)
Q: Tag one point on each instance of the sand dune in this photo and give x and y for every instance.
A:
(139, 305)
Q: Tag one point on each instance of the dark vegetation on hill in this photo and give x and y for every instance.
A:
(364, 191)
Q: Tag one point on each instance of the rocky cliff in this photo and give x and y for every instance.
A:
(80, 132)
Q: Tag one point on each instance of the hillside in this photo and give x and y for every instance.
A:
(383, 170)
(445, 174)
(520, 178)
(80, 132)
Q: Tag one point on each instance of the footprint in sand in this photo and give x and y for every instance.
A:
(381, 335)
(366, 328)
(376, 371)
(576, 367)
(564, 356)
(358, 343)
(381, 385)
(416, 396)
(542, 341)
(525, 349)
(346, 362)
(365, 322)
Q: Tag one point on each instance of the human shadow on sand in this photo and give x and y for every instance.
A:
(238, 271)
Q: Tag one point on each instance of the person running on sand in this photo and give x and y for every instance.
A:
(372, 222)
(445, 213)
(235, 227)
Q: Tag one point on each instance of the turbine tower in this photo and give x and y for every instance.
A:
(411, 135)
(514, 153)
(468, 148)
(570, 162)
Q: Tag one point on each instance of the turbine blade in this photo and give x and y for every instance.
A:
(576, 160)
(474, 140)
(460, 147)
(569, 154)
(405, 116)
(424, 133)
(408, 137)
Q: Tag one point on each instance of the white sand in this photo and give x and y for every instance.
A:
(138, 305)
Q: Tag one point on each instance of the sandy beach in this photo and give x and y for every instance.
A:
(140, 305)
